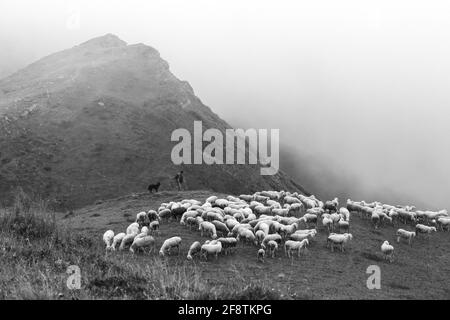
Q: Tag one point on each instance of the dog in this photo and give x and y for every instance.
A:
(154, 187)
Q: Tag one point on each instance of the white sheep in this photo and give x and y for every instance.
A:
(291, 245)
(142, 242)
(108, 238)
(208, 228)
(271, 237)
(272, 247)
(169, 244)
(117, 240)
(261, 255)
(388, 251)
(194, 249)
(213, 247)
(404, 234)
(128, 239)
(339, 239)
(133, 228)
(154, 226)
(420, 228)
(246, 235)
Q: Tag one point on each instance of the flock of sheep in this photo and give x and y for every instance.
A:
(269, 220)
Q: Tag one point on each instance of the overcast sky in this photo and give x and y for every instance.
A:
(359, 90)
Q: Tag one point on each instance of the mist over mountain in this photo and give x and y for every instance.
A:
(95, 121)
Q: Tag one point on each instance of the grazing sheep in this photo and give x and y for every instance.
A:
(259, 235)
(286, 231)
(299, 236)
(443, 223)
(246, 235)
(108, 238)
(208, 228)
(220, 226)
(291, 245)
(194, 249)
(345, 214)
(165, 214)
(332, 206)
(272, 247)
(169, 244)
(142, 219)
(339, 239)
(388, 251)
(140, 243)
(133, 228)
(343, 225)
(211, 248)
(271, 237)
(420, 228)
(127, 240)
(117, 240)
(404, 234)
(261, 255)
(154, 226)
(228, 244)
(327, 222)
(309, 220)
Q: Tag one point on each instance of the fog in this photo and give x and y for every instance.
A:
(359, 90)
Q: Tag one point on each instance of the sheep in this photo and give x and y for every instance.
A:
(220, 226)
(228, 244)
(246, 197)
(194, 249)
(246, 235)
(259, 235)
(406, 216)
(291, 200)
(291, 245)
(327, 222)
(262, 210)
(443, 223)
(117, 240)
(300, 235)
(286, 231)
(231, 223)
(154, 226)
(261, 255)
(169, 244)
(142, 242)
(211, 199)
(308, 219)
(211, 248)
(375, 218)
(128, 239)
(209, 228)
(142, 219)
(280, 212)
(344, 225)
(332, 206)
(133, 228)
(188, 214)
(152, 215)
(271, 237)
(388, 251)
(345, 214)
(272, 247)
(339, 239)
(404, 234)
(420, 228)
(108, 238)
(263, 226)
(165, 214)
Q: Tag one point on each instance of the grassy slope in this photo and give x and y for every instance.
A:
(421, 271)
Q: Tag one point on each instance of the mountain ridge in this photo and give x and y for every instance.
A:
(95, 121)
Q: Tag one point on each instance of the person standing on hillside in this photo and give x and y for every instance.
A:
(179, 178)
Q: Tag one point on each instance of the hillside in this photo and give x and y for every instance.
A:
(95, 121)
(418, 272)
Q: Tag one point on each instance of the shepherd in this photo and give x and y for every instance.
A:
(179, 180)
